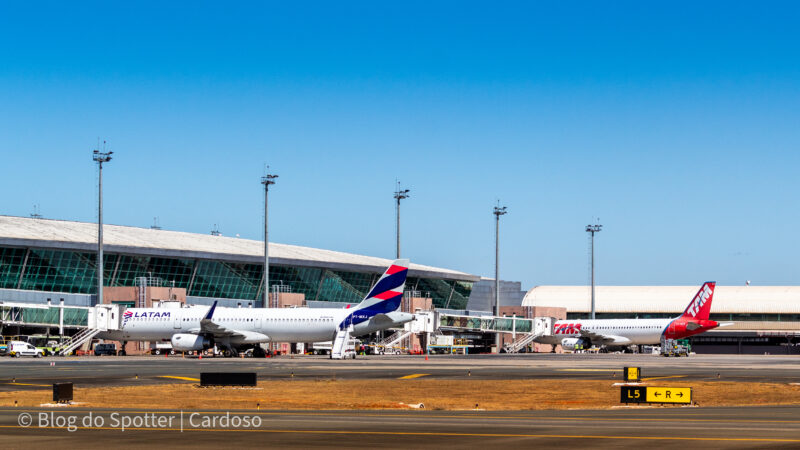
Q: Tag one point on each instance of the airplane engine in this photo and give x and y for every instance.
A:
(189, 342)
(574, 343)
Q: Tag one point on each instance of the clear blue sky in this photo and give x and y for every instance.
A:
(678, 124)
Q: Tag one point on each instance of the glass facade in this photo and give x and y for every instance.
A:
(74, 272)
(56, 270)
(446, 294)
(10, 266)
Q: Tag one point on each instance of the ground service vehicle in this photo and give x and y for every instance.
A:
(324, 348)
(50, 345)
(674, 347)
(19, 348)
(161, 348)
(105, 349)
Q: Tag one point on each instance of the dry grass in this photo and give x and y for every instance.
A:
(390, 394)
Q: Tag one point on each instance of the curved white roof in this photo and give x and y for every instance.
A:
(667, 299)
(62, 234)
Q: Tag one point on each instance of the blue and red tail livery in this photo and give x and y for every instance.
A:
(384, 297)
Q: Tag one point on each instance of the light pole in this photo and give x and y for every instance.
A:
(100, 158)
(593, 229)
(498, 211)
(266, 180)
(399, 194)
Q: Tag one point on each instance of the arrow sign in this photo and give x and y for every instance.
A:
(668, 395)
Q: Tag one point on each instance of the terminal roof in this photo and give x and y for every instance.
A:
(82, 236)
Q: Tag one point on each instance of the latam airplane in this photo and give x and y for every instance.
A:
(236, 329)
(571, 334)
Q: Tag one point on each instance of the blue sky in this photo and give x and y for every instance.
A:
(677, 124)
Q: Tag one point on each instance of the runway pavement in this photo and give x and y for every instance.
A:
(774, 427)
(29, 373)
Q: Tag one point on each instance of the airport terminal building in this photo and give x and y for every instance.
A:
(43, 259)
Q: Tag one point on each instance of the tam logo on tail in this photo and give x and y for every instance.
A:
(700, 305)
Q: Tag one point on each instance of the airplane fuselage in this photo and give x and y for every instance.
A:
(258, 324)
(628, 331)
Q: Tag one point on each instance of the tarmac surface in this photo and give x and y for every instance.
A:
(666, 427)
(36, 373)
(749, 427)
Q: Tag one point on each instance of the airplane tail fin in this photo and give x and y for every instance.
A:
(700, 306)
(383, 298)
(387, 293)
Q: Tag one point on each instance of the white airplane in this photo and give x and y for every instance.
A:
(571, 334)
(236, 329)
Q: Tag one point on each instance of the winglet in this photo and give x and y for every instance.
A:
(210, 311)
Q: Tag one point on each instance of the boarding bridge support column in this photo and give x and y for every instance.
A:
(61, 318)
(514, 328)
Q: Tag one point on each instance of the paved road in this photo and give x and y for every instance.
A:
(29, 373)
(777, 427)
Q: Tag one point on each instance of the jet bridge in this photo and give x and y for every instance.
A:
(524, 330)
(88, 321)
(32, 315)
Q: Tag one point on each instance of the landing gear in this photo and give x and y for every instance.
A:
(230, 353)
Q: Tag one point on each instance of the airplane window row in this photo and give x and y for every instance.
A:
(626, 328)
(229, 319)
(299, 320)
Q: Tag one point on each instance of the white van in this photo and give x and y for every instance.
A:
(324, 348)
(19, 348)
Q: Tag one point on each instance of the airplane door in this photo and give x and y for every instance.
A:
(102, 318)
(176, 323)
(258, 322)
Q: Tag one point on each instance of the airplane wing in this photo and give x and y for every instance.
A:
(381, 319)
(208, 326)
(605, 339)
